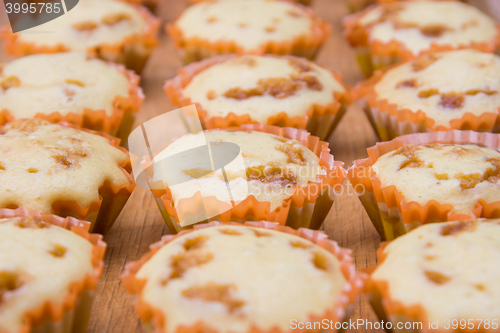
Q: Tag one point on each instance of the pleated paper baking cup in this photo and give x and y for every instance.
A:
(133, 51)
(306, 45)
(372, 54)
(118, 123)
(72, 314)
(307, 206)
(112, 198)
(319, 120)
(339, 311)
(391, 214)
(390, 121)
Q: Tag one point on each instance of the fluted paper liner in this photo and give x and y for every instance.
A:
(388, 209)
(337, 313)
(390, 121)
(373, 54)
(102, 213)
(132, 51)
(306, 45)
(307, 206)
(319, 120)
(99, 120)
(389, 309)
(71, 315)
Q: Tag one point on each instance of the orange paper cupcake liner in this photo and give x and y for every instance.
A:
(73, 312)
(319, 120)
(388, 209)
(337, 313)
(98, 120)
(307, 45)
(307, 206)
(390, 121)
(374, 54)
(112, 198)
(132, 52)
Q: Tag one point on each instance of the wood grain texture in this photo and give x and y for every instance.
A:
(140, 223)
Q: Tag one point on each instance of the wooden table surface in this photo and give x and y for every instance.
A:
(140, 223)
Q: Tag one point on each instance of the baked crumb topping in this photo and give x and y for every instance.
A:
(437, 277)
(230, 232)
(450, 229)
(321, 261)
(424, 61)
(271, 173)
(413, 161)
(214, 292)
(31, 222)
(115, 18)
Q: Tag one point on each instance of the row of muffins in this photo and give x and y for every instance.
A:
(201, 293)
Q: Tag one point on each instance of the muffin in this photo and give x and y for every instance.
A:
(72, 88)
(54, 169)
(260, 172)
(112, 30)
(389, 33)
(433, 177)
(357, 5)
(216, 279)
(431, 94)
(440, 276)
(275, 90)
(49, 269)
(216, 27)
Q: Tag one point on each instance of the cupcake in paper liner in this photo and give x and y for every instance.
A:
(112, 30)
(422, 178)
(216, 278)
(32, 297)
(431, 94)
(217, 27)
(390, 33)
(439, 278)
(252, 172)
(56, 169)
(72, 88)
(286, 91)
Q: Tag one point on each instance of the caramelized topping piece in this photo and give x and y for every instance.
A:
(115, 18)
(491, 175)
(214, 292)
(25, 125)
(2, 166)
(182, 262)
(409, 152)
(442, 176)
(280, 87)
(9, 281)
(211, 95)
(85, 26)
(300, 65)
(300, 244)
(197, 172)
(10, 82)
(321, 261)
(434, 30)
(230, 232)
(211, 19)
(31, 222)
(75, 82)
(271, 173)
(428, 93)
(437, 277)
(58, 251)
(410, 83)
(270, 29)
(473, 92)
(451, 100)
(424, 61)
(450, 229)
(259, 233)
(194, 243)
(293, 153)
(469, 181)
